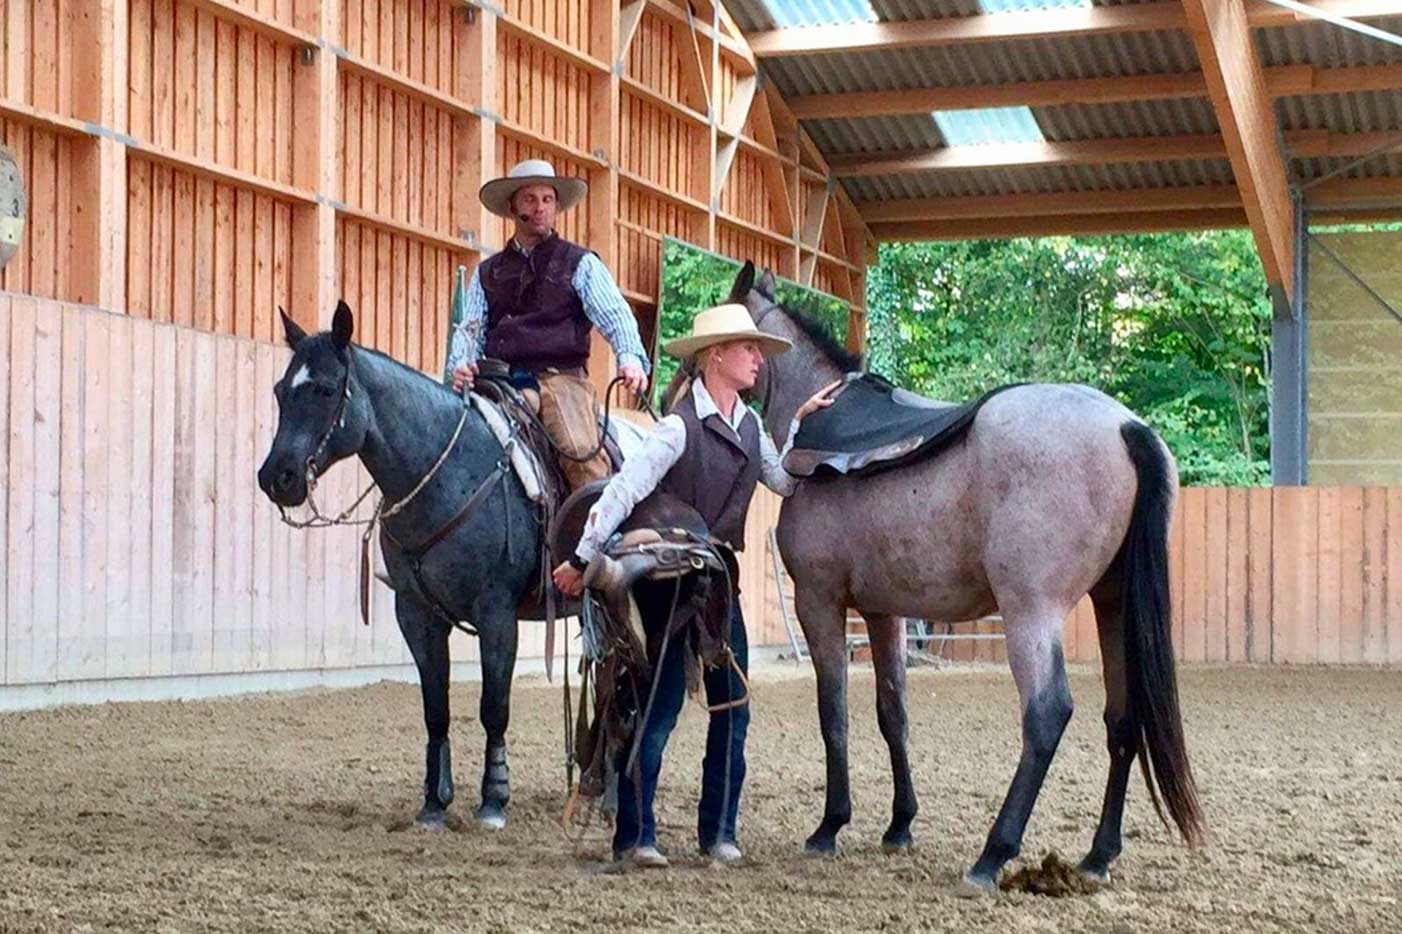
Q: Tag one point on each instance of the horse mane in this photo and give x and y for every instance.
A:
(817, 332)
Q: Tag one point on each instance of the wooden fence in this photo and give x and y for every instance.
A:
(1286, 575)
(134, 542)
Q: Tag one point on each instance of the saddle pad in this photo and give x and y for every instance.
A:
(874, 426)
(523, 462)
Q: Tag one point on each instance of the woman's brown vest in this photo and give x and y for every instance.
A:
(717, 471)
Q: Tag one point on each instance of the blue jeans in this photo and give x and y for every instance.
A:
(720, 792)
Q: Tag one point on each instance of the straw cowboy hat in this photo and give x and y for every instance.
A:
(496, 194)
(721, 324)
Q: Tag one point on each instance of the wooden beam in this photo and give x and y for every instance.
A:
(630, 15)
(1338, 193)
(475, 139)
(1357, 193)
(1281, 81)
(96, 250)
(1237, 88)
(1031, 24)
(1062, 202)
(962, 30)
(316, 102)
(815, 212)
(1060, 225)
(1300, 143)
(602, 204)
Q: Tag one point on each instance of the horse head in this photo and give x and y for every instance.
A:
(321, 418)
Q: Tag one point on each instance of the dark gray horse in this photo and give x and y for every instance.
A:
(1055, 491)
(337, 400)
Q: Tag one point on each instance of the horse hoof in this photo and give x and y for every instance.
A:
(897, 843)
(1094, 872)
(820, 846)
(434, 820)
(975, 886)
(490, 817)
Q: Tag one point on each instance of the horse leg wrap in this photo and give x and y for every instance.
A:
(438, 781)
(496, 777)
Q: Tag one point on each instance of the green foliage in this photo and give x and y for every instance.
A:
(1177, 327)
(694, 279)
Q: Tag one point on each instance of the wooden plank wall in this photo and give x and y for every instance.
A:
(133, 541)
(1288, 575)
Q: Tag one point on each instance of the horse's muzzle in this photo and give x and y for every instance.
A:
(282, 483)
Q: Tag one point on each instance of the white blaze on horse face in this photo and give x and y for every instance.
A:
(304, 375)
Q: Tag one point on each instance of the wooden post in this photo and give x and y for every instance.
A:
(475, 140)
(96, 250)
(315, 102)
(603, 182)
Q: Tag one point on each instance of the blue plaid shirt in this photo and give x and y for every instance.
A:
(604, 305)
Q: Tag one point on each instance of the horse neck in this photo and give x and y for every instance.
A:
(409, 423)
(794, 377)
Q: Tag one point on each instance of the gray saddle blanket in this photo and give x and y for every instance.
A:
(874, 426)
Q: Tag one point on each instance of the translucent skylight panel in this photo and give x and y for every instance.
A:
(988, 125)
(788, 13)
(1014, 6)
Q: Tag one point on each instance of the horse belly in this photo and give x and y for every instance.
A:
(900, 543)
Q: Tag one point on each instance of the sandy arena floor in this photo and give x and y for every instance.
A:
(274, 813)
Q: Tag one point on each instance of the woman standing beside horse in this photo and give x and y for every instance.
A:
(710, 453)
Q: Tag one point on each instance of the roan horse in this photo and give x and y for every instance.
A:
(337, 400)
(1056, 491)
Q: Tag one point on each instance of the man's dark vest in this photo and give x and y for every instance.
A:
(535, 319)
(717, 471)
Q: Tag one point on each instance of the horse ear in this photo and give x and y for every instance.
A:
(743, 282)
(290, 331)
(342, 325)
(767, 284)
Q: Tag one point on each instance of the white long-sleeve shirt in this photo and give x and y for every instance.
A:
(643, 471)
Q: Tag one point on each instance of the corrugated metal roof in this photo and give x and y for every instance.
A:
(1325, 45)
(1388, 165)
(1129, 119)
(875, 134)
(1360, 112)
(757, 15)
(1040, 179)
(985, 63)
(1071, 57)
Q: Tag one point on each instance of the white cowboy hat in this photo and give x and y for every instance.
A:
(496, 194)
(721, 324)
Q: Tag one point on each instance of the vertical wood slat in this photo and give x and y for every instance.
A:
(1393, 637)
(20, 635)
(1324, 628)
(97, 387)
(1238, 583)
(7, 359)
(72, 628)
(1375, 558)
(127, 641)
(1260, 567)
(1349, 623)
(46, 426)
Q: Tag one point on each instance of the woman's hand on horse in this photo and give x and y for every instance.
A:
(633, 377)
(569, 579)
(819, 400)
(463, 377)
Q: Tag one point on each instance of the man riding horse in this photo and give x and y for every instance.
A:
(532, 306)
(710, 452)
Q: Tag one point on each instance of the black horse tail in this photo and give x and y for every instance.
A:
(1148, 645)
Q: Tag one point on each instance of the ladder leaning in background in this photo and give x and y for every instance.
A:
(921, 639)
